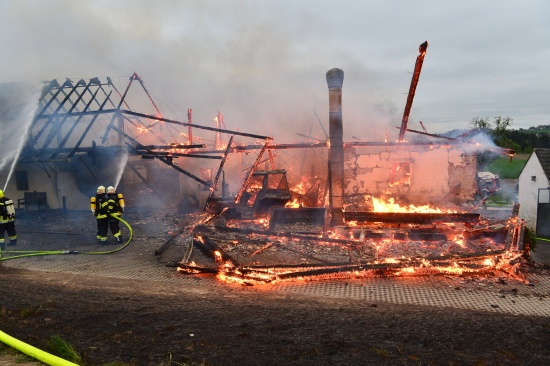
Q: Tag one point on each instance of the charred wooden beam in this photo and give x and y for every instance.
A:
(211, 249)
(122, 100)
(72, 128)
(155, 154)
(174, 146)
(310, 137)
(249, 175)
(78, 114)
(320, 123)
(195, 125)
(165, 160)
(421, 265)
(196, 269)
(87, 129)
(57, 127)
(409, 217)
(218, 174)
(412, 89)
(205, 229)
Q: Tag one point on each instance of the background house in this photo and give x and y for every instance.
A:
(534, 192)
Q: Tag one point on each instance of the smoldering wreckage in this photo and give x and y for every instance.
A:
(314, 210)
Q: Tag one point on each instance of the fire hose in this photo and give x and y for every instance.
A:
(14, 254)
(25, 348)
(34, 352)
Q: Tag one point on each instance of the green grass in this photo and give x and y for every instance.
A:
(507, 169)
(499, 200)
(61, 348)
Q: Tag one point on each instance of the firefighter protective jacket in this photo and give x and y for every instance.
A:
(7, 210)
(115, 206)
(101, 206)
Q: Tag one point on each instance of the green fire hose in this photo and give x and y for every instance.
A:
(14, 254)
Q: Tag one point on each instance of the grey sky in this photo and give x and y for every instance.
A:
(263, 63)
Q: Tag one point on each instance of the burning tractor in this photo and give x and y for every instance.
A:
(264, 196)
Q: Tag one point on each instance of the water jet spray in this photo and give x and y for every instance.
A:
(18, 105)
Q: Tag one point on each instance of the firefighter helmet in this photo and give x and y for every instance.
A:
(100, 190)
(111, 190)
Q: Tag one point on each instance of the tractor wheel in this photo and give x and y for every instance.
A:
(219, 221)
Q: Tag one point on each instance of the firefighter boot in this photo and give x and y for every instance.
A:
(119, 239)
(12, 242)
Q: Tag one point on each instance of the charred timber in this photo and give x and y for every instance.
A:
(209, 247)
(376, 267)
(154, 154)
(175, 146)
(193, 269)
(195, 125)
(220, 169)
(409, 217)
(412, 89)
(202, 229)
(309, 137)
(165, 160)
(244, 148)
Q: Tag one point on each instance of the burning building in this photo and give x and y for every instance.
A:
(389, 208)
(74, 135)
(362, 208)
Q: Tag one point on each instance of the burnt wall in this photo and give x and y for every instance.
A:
(443, 176)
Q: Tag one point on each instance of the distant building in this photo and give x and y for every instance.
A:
(534, 192)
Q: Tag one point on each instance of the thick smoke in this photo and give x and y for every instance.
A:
(18, 104)
(263, 63)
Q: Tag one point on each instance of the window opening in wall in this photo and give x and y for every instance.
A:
(400, 174)
(534, 178)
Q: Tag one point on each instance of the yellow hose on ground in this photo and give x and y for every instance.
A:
(34, 352)
(32, 253)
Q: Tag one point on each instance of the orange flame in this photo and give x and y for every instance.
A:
(389, 205)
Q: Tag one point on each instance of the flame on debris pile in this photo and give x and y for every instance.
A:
(248, 253)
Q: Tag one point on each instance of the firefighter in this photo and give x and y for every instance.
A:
(115, 208)
(7, 220)
(99, 206)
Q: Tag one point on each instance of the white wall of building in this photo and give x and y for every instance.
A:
(529, 189)
(74, 198)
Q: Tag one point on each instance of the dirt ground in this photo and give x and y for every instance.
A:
(139, 322)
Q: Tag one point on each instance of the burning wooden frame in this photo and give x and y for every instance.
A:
(250, 255)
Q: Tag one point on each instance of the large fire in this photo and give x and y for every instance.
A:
(363, 250)
(389, 205)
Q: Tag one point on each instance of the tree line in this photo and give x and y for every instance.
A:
(522, 140)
